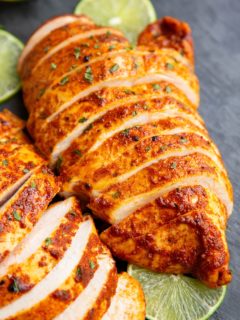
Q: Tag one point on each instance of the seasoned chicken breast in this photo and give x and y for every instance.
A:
(121, 127)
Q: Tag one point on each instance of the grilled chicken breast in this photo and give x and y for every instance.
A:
(120, 124)
(52, 263)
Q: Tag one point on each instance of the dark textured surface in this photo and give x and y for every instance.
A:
(216, 29)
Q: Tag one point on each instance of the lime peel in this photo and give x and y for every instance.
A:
(10, 50)
(177, 297)
(129, 16)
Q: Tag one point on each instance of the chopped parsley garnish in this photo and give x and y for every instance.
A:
(63, 81)
(130, 47)
(183, 140)
(111, 47)
(77, 53)
(91, 264)
(162, 148)
(59, 163)
(114, 68)
(116, 195)
(88, 127)
(5, 162)
(148, 148)
(96, 46)
(14, 286)
(128, 91)
(33, 185)
(126, 132)
(168, 89)
(88, 74)
(83, 119)
(173, 165)
(46, 49)
(134, 113)
(79, 272)
(77, 152)
(53, 66)
(41, 93)
(48, 241)
(108, 33)
(17, 215)
(169, 66)
(156, 86)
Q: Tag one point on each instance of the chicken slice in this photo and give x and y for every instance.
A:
(17, 163)
(50, 34)
(116, 71)
(9, 123)
(175, 234)
(75, 119)
(128, 302)
(169, 33)
(21, 212)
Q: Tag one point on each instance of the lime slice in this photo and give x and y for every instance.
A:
(170, 297)
(129, 16)
(10, 49)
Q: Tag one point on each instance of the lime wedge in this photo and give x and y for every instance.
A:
(176, 297)
(129, 16)
(10, 49)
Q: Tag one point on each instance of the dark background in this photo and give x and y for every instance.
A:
(216, 30)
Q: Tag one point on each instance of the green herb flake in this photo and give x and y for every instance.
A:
(33, 185)
(89, 127)
(126, 132)
(88, 75)
(86, 45)
(131, 47)
(48, 241)
(82, 120)
(14, 286)
(116, 195)
(148, 148)
(96, 46)
(25, 170)
(173, 165)
(64, 81)
(53, 66)
(108, 33)
(168, 89)
(91, 264)
(145, 107)
(77, 152)
(41, 93)
(17, 215)
(77, 52)
(79, 272)
(162, 148)
(156, 86)
(5, 162)
(111, 47)
(114, 68)
(59, 163)
(169, 66)
(46, 49)
(127, 91)
(183, 140)
(134, 113)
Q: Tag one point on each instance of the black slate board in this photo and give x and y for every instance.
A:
(216, 30)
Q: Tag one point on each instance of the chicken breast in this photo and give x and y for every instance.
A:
(121, 127)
